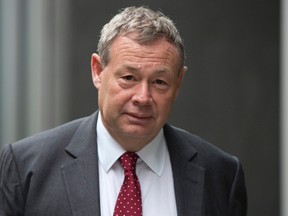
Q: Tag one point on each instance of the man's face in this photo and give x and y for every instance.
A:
(137, 88)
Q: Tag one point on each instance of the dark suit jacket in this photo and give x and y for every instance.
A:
(56, 173)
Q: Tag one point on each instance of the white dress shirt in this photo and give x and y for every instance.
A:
(153, 169)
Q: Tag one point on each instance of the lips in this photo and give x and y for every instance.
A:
(138, 118)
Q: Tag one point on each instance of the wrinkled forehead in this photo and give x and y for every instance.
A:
(148, 42)
(159, 52)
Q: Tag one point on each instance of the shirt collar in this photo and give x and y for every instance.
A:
(153, 154)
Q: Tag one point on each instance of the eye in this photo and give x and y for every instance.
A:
(128, 77)
(160, 82)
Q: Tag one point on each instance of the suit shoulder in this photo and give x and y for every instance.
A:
(55, 137)
(45, 149)
(220, 173)
(188, 141)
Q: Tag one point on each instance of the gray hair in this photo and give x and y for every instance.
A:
(149, 26)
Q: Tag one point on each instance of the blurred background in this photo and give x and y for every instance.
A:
(230, 96)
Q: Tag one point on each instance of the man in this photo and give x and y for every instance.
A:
(74, 169)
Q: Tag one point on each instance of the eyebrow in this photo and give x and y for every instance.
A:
(130, 67)
(161, 70)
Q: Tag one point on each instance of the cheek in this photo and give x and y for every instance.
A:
(163, 104)
(107, 89)
(114, 98)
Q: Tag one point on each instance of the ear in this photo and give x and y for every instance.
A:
(96, 70)
(179, 81)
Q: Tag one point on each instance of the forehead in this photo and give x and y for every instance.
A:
(160, 51)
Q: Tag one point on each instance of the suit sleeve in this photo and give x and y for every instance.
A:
(238, 194)
(11, 195)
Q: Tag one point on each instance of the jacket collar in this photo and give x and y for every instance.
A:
(80, 172)
(188, 175)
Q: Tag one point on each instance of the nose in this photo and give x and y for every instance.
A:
(142, 94)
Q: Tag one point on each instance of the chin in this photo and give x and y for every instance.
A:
(141, 134)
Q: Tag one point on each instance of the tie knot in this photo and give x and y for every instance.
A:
(128, 161)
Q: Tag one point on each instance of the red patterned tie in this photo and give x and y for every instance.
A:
(129, 201)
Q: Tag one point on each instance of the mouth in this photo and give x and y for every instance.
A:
(138, 117)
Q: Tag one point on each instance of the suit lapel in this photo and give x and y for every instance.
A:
(80, 173)
(188, 176)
